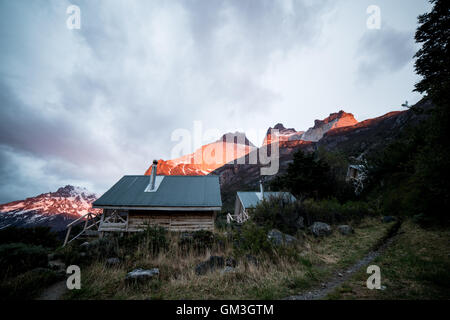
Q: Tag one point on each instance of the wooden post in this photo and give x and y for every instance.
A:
(67, 236)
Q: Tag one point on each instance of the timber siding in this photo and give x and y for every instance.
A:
(171, 220)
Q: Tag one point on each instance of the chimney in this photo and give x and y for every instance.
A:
(261, 189)
(153, 175)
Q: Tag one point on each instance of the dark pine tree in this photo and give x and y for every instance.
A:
(433, 64)
(306, 177)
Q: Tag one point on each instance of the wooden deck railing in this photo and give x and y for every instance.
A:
(238, 218)
(89, 222)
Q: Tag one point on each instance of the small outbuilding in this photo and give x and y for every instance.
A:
(177, 203)
(246, 201)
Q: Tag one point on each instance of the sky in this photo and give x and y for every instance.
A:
(87, 106)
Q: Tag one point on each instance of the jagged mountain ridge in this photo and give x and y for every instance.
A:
(354, 140)
(337, 120)
(53, 209)
(233, 146)
(207, 158)
(336, 132)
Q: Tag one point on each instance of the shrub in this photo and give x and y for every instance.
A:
(70, 254)
(16, 258)
(279, 213)
(154, 239)
(251, 238)
(221, 221)
(28, 285)
(200, 241)
(331, 211)
(36, 236)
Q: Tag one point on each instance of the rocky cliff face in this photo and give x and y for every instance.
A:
(283, 134)
(54, 209)
(206, 159)
(321, 127)
(339, 132)
(371, 134)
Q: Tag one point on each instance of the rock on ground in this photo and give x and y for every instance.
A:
(141, 274)
(214, 262)
(112, 262)
(345, 229)
(230, 262)
(227, 269)
(278, 238)
(251, 259)
(320, 229)
(300, 223)
(387, 219)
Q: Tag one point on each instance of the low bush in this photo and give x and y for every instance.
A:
(42, 236)
(331, 211)
(221, 221)
(200, 241)
(16, 258)
(251, 238)
(279, 213)
(29, 284)
(153, 238)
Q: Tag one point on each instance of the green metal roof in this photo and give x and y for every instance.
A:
(251, 199)
(173, 191)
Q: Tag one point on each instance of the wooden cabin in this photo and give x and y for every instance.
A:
(247, 201)
(177, 203)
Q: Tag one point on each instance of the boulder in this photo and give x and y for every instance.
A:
(251, 259)
(345, 229)
(142, 275)
(110, 262)
(320, 229)
(57, 265)
(278, 238)
(230, 262)
(387, 219)
(214, 262)
(300, 223)
(84, 245)
(227, 269)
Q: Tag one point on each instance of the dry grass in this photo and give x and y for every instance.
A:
(276, 276)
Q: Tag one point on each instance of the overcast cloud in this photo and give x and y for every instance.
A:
(87, 106)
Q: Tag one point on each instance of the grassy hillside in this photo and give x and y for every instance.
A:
(414, 267)
(279, 272)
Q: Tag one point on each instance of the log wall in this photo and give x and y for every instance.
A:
(171, 220)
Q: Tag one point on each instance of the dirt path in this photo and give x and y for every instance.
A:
(54, 292)
(345, 275)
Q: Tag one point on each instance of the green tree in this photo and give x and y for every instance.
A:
(433, 64)
(307, 177)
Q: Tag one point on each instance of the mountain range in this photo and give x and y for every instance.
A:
(54, 209)
(339, 131)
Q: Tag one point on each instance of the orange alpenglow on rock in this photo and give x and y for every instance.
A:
(334, 121)
(283, 135)
(233, 146)
(207, 158)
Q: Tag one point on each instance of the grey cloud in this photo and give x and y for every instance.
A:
(383, 51)
(106, 98)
